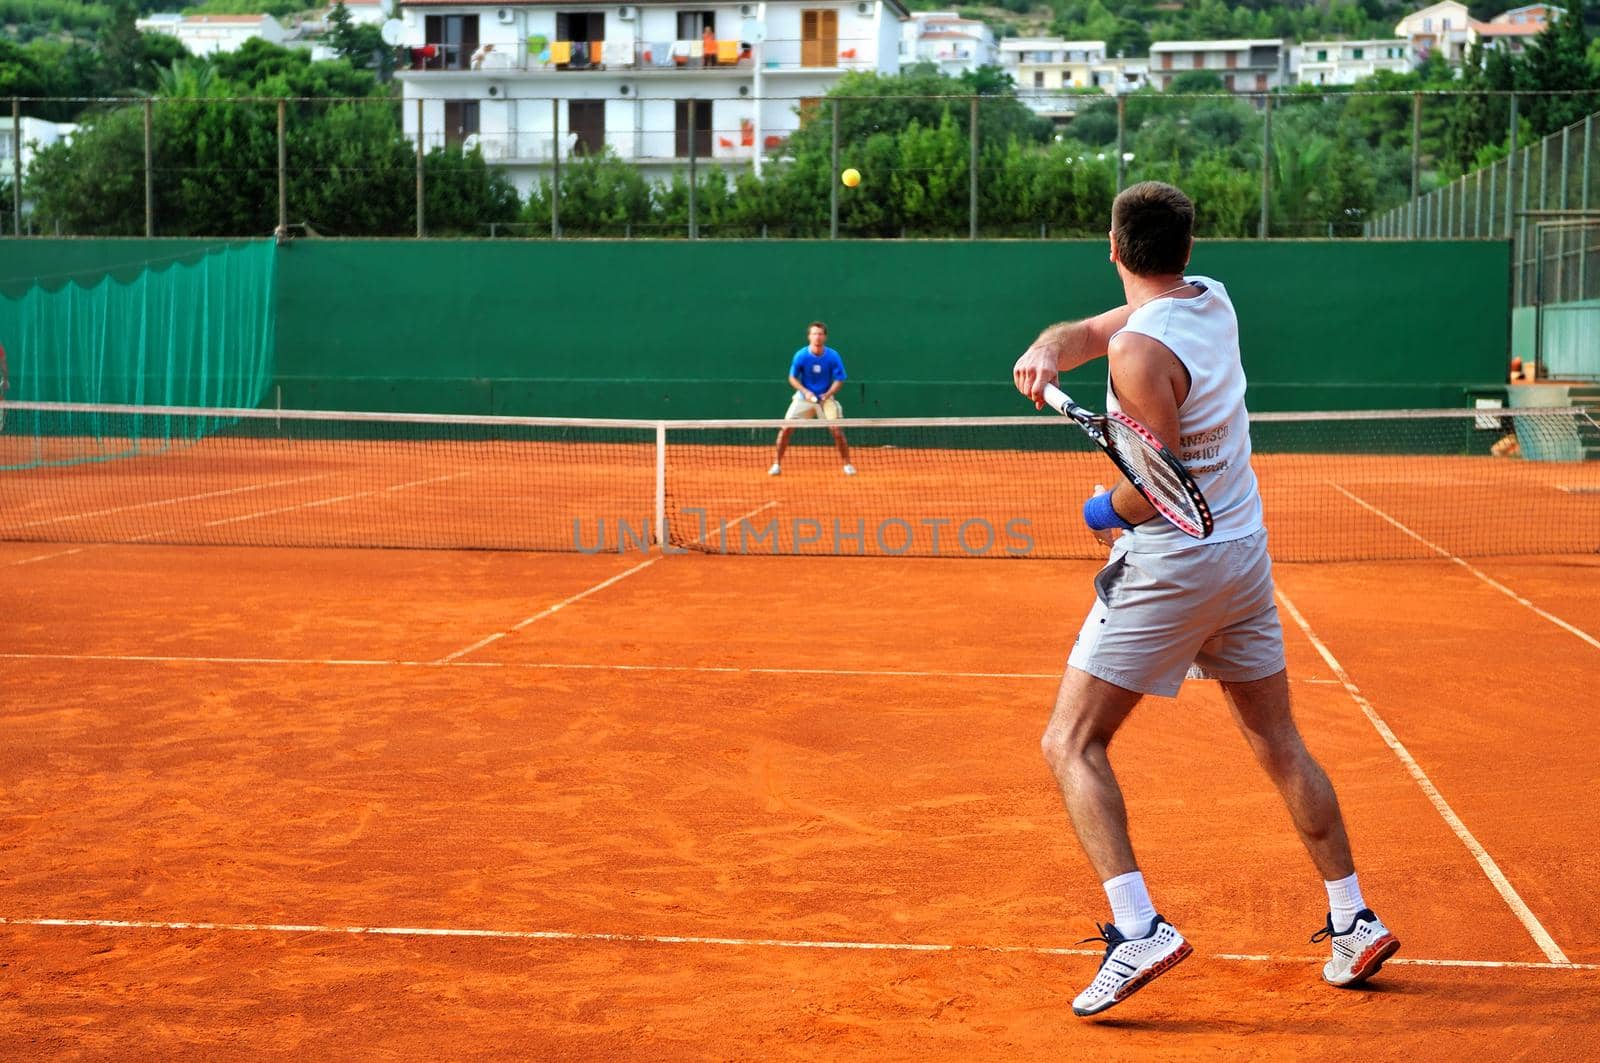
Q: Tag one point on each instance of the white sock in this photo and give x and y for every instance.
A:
(1130, 904)
(1344, 901)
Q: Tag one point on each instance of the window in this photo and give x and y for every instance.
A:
(1166, 60)
(701, 111)
(1227, 82)
(1233, 60)
(587, 121)
(1322, 55)
(1038, 79)
(460, 121)
(453, 38)
(1360, 53)
(587, 32)
(691, 24)
(819, 38)
(1199, 60)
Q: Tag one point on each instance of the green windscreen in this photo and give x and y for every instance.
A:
(189, 330)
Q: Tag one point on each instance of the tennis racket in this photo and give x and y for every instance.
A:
(1152, 469)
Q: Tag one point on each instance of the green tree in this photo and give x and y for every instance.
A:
(1557, 64)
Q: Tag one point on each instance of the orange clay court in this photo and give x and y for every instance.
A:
(330, 802)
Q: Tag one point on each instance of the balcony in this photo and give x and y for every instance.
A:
(669, 56)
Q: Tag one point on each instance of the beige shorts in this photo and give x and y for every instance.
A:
(802, 408)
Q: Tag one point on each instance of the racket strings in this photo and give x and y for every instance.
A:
(1165, 486)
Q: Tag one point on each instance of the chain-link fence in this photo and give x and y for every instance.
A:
(1296, 164)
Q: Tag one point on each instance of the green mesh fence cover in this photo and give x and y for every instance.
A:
(193, 330)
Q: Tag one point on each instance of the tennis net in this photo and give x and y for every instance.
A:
(1336, 486)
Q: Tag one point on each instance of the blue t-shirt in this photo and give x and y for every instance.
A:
(817, 372)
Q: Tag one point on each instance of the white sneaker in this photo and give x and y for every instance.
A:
(775, 470)
(1357, 952)
(849, 470)
(1130, 964)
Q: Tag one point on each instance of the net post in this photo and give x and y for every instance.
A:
(661, 485)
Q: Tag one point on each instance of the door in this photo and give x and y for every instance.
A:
(702, 128)
(819, 38)
(587, 121)
(460, 121)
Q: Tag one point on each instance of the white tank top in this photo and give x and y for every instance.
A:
(1213, 426)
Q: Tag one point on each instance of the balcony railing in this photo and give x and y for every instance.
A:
(663, 145)
(695, 55)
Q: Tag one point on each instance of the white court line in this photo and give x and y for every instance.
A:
(47, 557)
(1447, 555)
(640, 567)
(678, 939)
(336, 499)
(174, 501)
(1496, 877)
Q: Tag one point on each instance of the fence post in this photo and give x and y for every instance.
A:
(1416, 148)
(1265, 226)
(283, 172)
(1583, 205)
(555, 169)
(972, 173)
(833, 177)
(420, 228)
(1511, 168)
(1122, 131)
(16, 166)
(694, 228)
(149, 178)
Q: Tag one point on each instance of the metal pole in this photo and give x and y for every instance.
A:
(1583, 204)
(1122, 132)
(16, 166)
(555, 169)
(420, 227)
(1511, 167)
(149, 177)
(833, 178)
(1416, 149)
(972, 173)
(694, 232)
(1266, 171)
(283, 173)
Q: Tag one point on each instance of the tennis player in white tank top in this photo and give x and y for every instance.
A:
(1167, 606)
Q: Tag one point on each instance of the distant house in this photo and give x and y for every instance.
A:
(209, 34)
(1243, 66)
(365, 12)
(1445, 28)
(1512, 31)
(1046, 69)
(954, 44)
(1347, 62)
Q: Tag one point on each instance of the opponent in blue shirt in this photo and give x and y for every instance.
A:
(816, 373)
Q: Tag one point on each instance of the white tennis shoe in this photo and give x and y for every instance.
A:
(849, 470)
(775, 470)
(1357, 952)
(1130, 964)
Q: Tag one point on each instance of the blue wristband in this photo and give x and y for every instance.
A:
(1099, 515)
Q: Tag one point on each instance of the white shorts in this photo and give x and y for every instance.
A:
(802, 408)
(1157, 614)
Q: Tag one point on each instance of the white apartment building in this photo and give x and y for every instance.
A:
(653, 81)
(1444, 27)
(954, 44)
(1347, 62)
(209, 34)
(1243, 66)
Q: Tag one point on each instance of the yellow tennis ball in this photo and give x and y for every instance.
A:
(851, 177)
